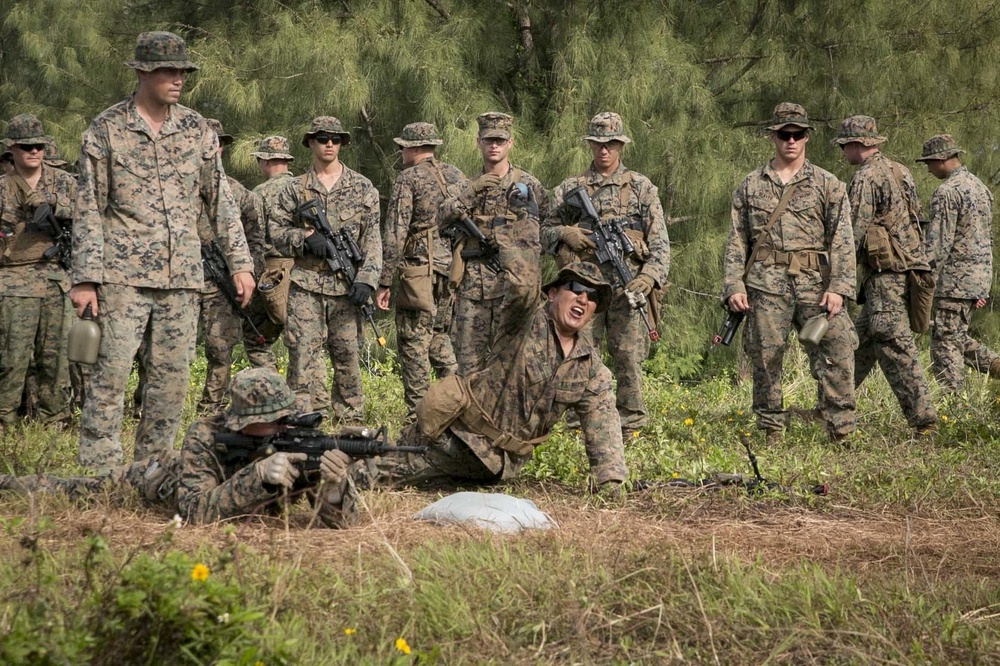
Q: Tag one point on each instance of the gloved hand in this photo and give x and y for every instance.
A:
(278, 469)
(477, 187)
(575, 238)
(333, 466)
(521, 198)
(33, 200)
(641, 284)
(42, 219)
(359, 293)
(317, 245)
(635, 299)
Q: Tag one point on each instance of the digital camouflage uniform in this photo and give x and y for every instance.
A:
(259, 354)
(136, 237)
(35, 312)
(479, 291)
(422, 338)
(320, 316)
(883, 193)
(221, 325)
(200, 482)
(520, 394)
(959, 238)
(811, 251)
(628, 196)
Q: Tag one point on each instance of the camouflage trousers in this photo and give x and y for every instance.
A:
(628, 346)
(423, 343)
(884, 336)
(171, 318)
(317, 322)
(220, 330)
(473, 327)
(258, 325)
(35, 328)
(952, 346)
(831, 362)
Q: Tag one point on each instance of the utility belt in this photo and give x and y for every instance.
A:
(796, 261)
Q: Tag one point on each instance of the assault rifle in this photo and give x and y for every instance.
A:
(345, 253)
(488, 251)
(355, 442)
(216, 270)
(46, 219)
(613, 246)
(730, 324)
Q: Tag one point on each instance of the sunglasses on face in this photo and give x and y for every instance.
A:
(785, 135)
(30, 147)
(326, 138)
(580, 288)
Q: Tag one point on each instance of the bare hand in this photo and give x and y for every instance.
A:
(382, 298)
(738, 303)
(833, 303)
(244, 287)
(980, 303)
(82, 295)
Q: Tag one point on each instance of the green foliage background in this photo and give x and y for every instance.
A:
(693, 81)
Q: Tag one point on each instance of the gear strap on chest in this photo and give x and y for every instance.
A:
(759, 242)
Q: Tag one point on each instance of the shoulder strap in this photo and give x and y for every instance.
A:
(779, 209)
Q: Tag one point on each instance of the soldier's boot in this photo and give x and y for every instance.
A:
(995, 368)
(773, 437)
(926, 431)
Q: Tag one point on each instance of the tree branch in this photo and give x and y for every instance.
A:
(439, 8)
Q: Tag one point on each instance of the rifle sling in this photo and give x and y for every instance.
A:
(771, 221)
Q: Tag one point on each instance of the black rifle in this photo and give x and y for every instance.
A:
(488, 251)
(355, 442)
(46, 218)
(730, 324)
(613, 246)
(216, 270)
(344, 252)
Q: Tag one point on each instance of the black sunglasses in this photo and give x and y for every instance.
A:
(326, 138)
(785, 135)
(580, 288)
(31, 147)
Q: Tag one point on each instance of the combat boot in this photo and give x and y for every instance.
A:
(926, 431)
(995, 368)
(773, 437)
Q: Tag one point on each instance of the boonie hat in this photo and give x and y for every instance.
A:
(258, 395)
(157, 50)
(418, 134)
(326, 125)
(606, 127)
(858, 129)
(25, 128)
(789, 113)
(224, 139)
(588, 274)
(273, 148)
(940, 147)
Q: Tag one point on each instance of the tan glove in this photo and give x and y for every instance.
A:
(333, 466)
(641, 284)
(477, 187)
(278, 469)
(33, 200)
(576, 238)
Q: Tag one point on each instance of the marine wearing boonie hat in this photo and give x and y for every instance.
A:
(939, 147)
(494, 125)
(158, 50)
(26, 129)
(418, 134)
(216, 125)
(326, 125)
(588, 274)
(858, 129)
(273, 148)
(606, 127)
(788, 113)
(258, 395)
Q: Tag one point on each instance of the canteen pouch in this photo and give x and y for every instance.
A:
(444, 402)
(273, 287)
(880, 250)
(920, 286)
(416, 288)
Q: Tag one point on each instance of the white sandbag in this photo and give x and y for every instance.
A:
(490, 511)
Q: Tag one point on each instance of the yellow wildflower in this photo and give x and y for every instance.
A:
(635, 434)
(349, 631)
(402, 645)
(944, 417)
(199, 572)
(689, 422)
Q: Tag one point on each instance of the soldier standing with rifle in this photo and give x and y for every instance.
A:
(628, 214)
(323, 304)
(411, 244)
(35, 314)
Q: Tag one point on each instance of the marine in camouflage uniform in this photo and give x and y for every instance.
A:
(136, 248)
(804, 267)
(322, 307)
(35, 313)
(618, 193)
(273, 157)
(884, 203)
(203, 484)
(480, 291)
(221, 326)
(959, 239)
(411, 244)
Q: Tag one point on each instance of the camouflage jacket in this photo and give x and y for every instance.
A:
(251, 216)
(882, 192)
(23, 268)
(816, 219)
(352, 204)
(139, 199)
(624, 195)
(959, 236)
(528, 383)
(268, 192)
(490, 211)
(412, 214)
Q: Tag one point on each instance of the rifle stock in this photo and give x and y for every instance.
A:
(216, 270)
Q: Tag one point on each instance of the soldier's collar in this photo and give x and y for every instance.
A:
(582, 346)
(804, 173)
(137, 123)
(617, 176)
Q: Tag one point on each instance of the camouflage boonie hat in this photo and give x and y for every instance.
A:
(258, 395)
(788, 113)
(858, 129)
(157, 50)
(27, 129)
(494, 125)
(940, 147)
(418, 134)
(606, 127)
(216, 125)
(326, 125)
(52, 155)
(273, 148)
(588, 274)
